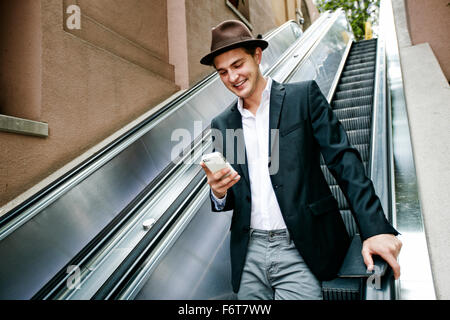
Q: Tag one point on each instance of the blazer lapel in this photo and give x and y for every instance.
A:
(277, 94)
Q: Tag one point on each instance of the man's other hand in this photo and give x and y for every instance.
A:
(386, 246)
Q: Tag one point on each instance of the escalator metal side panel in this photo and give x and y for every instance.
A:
(324, 60)
(197, 266)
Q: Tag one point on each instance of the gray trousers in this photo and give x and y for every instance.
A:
(274, 270)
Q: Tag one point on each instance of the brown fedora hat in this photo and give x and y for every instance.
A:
(229, 35)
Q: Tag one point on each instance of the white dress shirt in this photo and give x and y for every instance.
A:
(265, 211)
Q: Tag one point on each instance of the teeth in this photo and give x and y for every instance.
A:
(240, 83)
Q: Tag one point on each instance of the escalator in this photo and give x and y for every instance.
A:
(195, 265)
(136, 224)
(352, 105)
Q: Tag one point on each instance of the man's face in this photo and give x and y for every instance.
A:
(239, 71)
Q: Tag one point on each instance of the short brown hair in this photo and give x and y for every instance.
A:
(251, 50)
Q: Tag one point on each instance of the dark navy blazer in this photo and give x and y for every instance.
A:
(307, 127)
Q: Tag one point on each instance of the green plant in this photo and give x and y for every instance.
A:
(357, 11)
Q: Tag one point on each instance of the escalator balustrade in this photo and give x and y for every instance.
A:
(352, 105)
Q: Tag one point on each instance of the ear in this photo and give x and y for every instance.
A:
(258, 55)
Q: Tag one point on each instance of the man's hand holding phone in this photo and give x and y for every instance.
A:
(221, 176)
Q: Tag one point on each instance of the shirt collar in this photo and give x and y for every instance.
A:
(265, 95)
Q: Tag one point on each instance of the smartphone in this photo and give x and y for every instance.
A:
(216, 161)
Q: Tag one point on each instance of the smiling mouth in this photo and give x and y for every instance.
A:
(239, 85)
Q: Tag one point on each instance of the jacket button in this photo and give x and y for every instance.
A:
(248, 198)
(246, 229)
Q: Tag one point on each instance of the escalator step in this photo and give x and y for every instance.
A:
(342, 289)
(369, 64)
(360, 45)
(358, 51)
(365, 47)
(358, 71)
(364, 54)
(356, 123)
(356, 78)
(352, 102)
(364, 151)
(360, 59)
(365, 43)
(353, 112)
(353, 93)
(353, 57)
(358, 55)
(359, 137)
(355, 85)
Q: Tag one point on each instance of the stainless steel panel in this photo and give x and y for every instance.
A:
(66, 226)
(324, 60)
(21, 271)
(198, 265)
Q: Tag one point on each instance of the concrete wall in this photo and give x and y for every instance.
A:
(429, 21)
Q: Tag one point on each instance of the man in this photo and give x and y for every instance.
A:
(286, 232)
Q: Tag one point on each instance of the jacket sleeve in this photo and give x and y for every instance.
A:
(229, 202)
(345, 163)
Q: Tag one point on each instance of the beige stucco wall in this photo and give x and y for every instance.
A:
(139, 21)
(429, 21)
(86, 84)
(20, 61)
(284, 10)
(88, 90)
